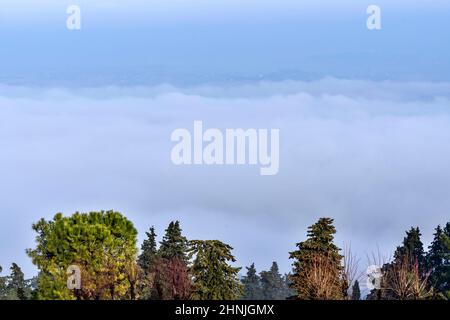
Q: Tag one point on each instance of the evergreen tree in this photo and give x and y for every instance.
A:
(148, 251)
(214, 278)
(171, 276)
(3, 290)
(172, 279)
(288, 292)
(406, 276)
(356, 292)
(411, 250)
(173, 244)
(101, 244)
(16, 284)
(252, 285)
(317, 272)
(273, 284)
(438, 261)
(436, 251)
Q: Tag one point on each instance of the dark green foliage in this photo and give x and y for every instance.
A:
(14, 286)
(214, 278)
(438, 261)
(149, 252)
(17, 283)
(356, 291)
(252, 285)
(411, 250)
(318, 255)
(173, 244)
(273, 284)
(101, 244)
(3, 284)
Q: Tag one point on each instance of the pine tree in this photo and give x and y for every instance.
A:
(356, 292)
(317, 272)
(148, 251)
(273, 284)
(214, 278)
(103, 246)
(173, 244)
(252, 285)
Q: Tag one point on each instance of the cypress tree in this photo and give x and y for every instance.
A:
(356, 292)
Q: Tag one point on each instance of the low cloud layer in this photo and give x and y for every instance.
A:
(372, 155)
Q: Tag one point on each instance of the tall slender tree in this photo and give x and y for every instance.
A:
(149, 251)
(438, 261)
(356, 291)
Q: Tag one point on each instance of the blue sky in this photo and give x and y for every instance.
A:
(154, 41)
(86, 117)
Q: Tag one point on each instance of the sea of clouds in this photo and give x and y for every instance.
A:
(372, 155)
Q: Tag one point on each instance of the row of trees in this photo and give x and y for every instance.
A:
(414, 273)
(103, 247)
(14, 286)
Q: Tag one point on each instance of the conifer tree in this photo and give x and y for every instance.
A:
(356, 291)
(273, 284)
(289, 293)
(317, 272)
(173, 244)
(252, 285)
(411, 249)
(436, 251)
(17, 285)
(3, 291)
(171, 277)
(101, 244)
(438, 261)
(148, 251)
(214, 278)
